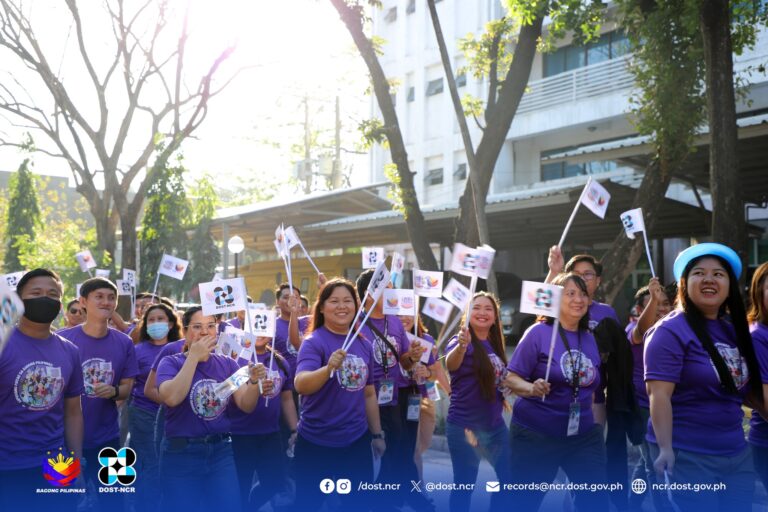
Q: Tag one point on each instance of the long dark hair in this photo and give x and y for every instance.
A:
(561, 280)
(481, 363)
(174, 333)
(757, 311)
(318, 319)
(733, 305)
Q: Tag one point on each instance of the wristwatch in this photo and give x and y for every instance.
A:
(117, 392)
(380, 435)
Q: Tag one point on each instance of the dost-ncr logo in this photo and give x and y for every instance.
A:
(117, 467)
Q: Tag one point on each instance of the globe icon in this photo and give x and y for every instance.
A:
(639, 486)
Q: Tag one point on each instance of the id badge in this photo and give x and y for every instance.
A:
(414, 407)
(386, 391)
(574, 413)
(432, 392)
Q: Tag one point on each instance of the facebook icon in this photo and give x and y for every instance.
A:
(327, 486)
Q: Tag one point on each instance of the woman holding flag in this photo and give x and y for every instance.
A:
(339, 423)
(758, 319)
(552, 422)
(700, 367)
(197, 464)
(474, 427)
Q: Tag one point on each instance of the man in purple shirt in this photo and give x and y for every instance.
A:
(108, 366)
(40, 387)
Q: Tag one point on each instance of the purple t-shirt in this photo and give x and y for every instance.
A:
(386, 364)
(638, 380)
(758, 428)
(265, 419)
(705, 418)
(169, 349)
(529, 361)
(107, 360)
(598, 311)
(146, 353)
(35, 378)
(335, 415)
(468, 407)
(201, 413)
(284, 347)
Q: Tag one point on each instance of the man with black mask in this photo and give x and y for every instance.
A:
(40, 386)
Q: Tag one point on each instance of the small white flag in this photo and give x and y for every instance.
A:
(86, 261)
(372, 256)
(540, 299)
(12, 309)
(13, 278)
(633, 222)
(465, 260)
(379, 281)
(485, 255)
(123, 287)
(129, 276)
(263, 322)
(438, 309)
(397, 266)
(174, 267)
(77, 289)
(102, 272)
(457, 294)
(427, 284)
(596, 198)
(398, 302)
(224, 296)
(229, 344)
(291, 238)
(424, 343)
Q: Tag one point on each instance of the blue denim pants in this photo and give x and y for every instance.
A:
(199, 477)
(141, 425)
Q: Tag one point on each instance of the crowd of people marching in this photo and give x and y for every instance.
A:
(674, 382)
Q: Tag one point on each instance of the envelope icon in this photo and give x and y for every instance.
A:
(492, 487)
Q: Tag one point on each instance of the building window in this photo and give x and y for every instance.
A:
(609, 46)
(434, 87)
(411, 94)
(391, 15)
(461, 80)
(411, 7)
(555, 171)
(460, 173)
(434, 177)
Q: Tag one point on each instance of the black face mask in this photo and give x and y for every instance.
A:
(42, 310)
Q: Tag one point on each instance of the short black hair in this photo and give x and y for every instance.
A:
(584, 257)
(96, 283)
(305, 300)
(147, 295)
(281, 287)
(38, 272)
(363, 280)
(73, 301)
(188, 314)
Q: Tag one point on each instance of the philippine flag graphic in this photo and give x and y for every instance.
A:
(61, 471)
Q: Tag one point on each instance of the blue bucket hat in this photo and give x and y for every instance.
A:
(707, 249)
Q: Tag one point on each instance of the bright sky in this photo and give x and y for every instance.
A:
(288, 49)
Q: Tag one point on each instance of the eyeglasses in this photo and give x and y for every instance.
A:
(75, 311)
(587, 276)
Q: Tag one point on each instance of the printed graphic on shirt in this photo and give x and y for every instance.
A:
(95, 371)
(38, 385)
(499, 370)
(290, 348)
(380, 348)
(736, 364)
(592, 324)
(587, 370)
(353, 373)
(204, 401)
(277, 379)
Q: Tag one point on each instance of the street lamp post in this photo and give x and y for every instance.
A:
(235, 246)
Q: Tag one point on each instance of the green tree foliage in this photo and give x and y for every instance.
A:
(164, 227)
(203, 251)
(23, 220)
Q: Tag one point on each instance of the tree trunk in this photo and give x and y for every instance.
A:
(352, 16)
(728, 222)
(624, 253)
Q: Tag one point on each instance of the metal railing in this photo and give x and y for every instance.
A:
(585, 82)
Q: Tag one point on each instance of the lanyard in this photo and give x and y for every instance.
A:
(575, 365)
(385, 343)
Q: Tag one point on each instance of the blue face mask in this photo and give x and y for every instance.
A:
(158, 330)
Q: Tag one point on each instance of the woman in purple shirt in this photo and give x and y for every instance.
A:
(474, 427)
(757, 315)
(197, 465)
(699, 370)
(552, 422)
(158, 326)
(339, 422)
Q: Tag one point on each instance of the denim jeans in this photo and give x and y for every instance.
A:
(263, 454)
(199, 477)
(141, 425)
(106, 501)
(644, 471)
(466, 448)
(737, 473)
(760, 455)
